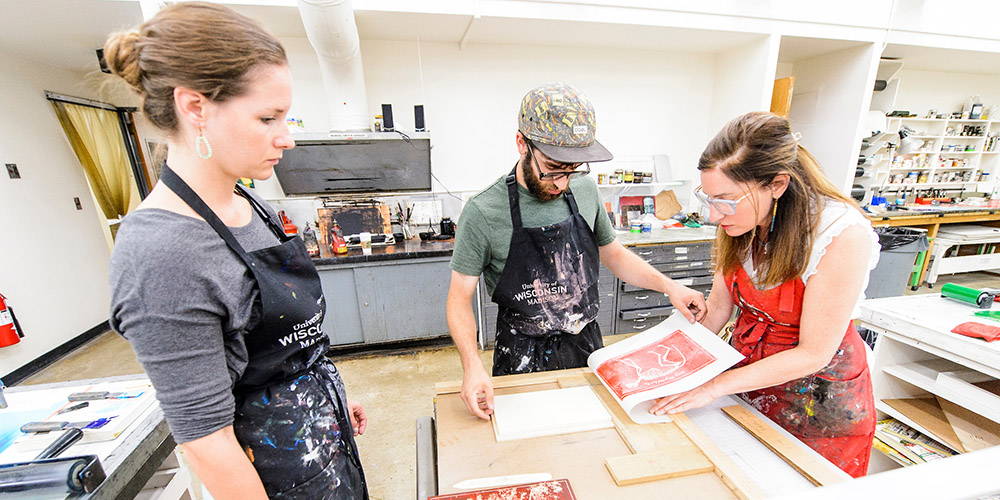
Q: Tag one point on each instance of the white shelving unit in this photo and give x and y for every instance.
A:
(917, 356)
(939, 163)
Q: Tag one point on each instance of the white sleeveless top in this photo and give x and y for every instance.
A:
(837, 216)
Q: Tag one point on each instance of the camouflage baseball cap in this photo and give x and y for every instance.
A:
(560, 123)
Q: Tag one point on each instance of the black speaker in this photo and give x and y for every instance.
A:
(880, 85)
(387, 125)
(418, 118)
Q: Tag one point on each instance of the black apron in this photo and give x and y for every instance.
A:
(547, 294)
(291, 410)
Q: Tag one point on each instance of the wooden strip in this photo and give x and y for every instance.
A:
(734, 478)
(654, 466)
(807, 464)
(573, 381)
(927, 412)
(973, 430)
(513, 380)
(639, 438)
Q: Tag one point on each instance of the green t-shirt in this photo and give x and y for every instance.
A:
(484, 229)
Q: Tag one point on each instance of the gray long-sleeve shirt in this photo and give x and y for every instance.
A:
(184, 300)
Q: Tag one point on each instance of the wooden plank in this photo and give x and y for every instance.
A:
(639, 438)
(513, 380)
(657, 465)
(807, 464)
(781, 96)
(466, 449)
(927, 413)
(973, 430)
(734, 478)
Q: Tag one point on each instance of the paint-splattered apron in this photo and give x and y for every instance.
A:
(547, 294)
(832, 410)
(291, 409)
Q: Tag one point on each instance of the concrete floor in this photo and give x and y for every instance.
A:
(395, 387)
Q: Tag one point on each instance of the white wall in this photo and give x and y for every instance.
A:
(832, 92)
(744, 80)
(54, 262)
(946, 92)
(647, 102)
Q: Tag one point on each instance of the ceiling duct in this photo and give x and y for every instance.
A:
(333, 34)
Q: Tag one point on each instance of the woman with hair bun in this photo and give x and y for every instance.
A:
(793, 255)
(222, 309)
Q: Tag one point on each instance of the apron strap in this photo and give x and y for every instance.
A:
(184, 191)
(264, 214)
(571, 200)
(514, 199)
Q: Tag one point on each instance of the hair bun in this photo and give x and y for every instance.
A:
(122, 57)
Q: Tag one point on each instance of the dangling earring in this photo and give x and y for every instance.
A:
(202, 140)
(774, 214)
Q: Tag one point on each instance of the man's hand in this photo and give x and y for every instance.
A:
(359, 421)
(477, 392)
(691, 303)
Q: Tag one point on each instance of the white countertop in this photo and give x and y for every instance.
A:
(673, 235)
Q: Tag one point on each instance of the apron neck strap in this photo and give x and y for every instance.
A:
(184, 191)
(264, 214)
(514, 199)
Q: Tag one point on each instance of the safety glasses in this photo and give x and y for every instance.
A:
(571, 174)
(724, 207)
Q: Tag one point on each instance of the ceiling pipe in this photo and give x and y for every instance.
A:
(333, 34)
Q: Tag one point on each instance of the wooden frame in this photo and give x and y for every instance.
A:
(637, 461)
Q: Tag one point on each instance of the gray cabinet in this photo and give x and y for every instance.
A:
(688, 263)
(385, 301)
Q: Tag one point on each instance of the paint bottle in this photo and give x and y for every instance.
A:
(337, 242)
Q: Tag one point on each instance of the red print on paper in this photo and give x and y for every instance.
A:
(665, 361)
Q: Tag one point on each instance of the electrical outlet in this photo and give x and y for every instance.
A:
(76, 200)
(12, 171)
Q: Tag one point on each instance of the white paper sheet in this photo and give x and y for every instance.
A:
(669, 358)
(545, 413)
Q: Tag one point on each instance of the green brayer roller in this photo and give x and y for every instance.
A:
(971, 296)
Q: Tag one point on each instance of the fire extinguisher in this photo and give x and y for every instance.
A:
(10, 329)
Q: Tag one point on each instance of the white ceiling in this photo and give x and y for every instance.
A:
(63, 33)
(795, 48)
(380, 25)
(949, 60)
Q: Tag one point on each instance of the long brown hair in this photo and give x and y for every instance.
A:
(204, 47)
(754, 148)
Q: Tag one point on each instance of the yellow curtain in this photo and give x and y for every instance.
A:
(96, 138)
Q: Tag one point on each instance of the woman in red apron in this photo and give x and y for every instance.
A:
(793, 257)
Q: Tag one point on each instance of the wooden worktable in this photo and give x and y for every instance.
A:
(932, 221)
(461, 447)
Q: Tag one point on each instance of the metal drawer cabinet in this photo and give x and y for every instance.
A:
(661, 254)
(640, 319)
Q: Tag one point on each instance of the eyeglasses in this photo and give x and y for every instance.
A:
(571, 174)
(724, 207)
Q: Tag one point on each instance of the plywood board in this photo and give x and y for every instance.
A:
(466, 449)
(677, 461)
(973, 430)
(545, 413)
(927, 413)
(781, 96)
(807, 464)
